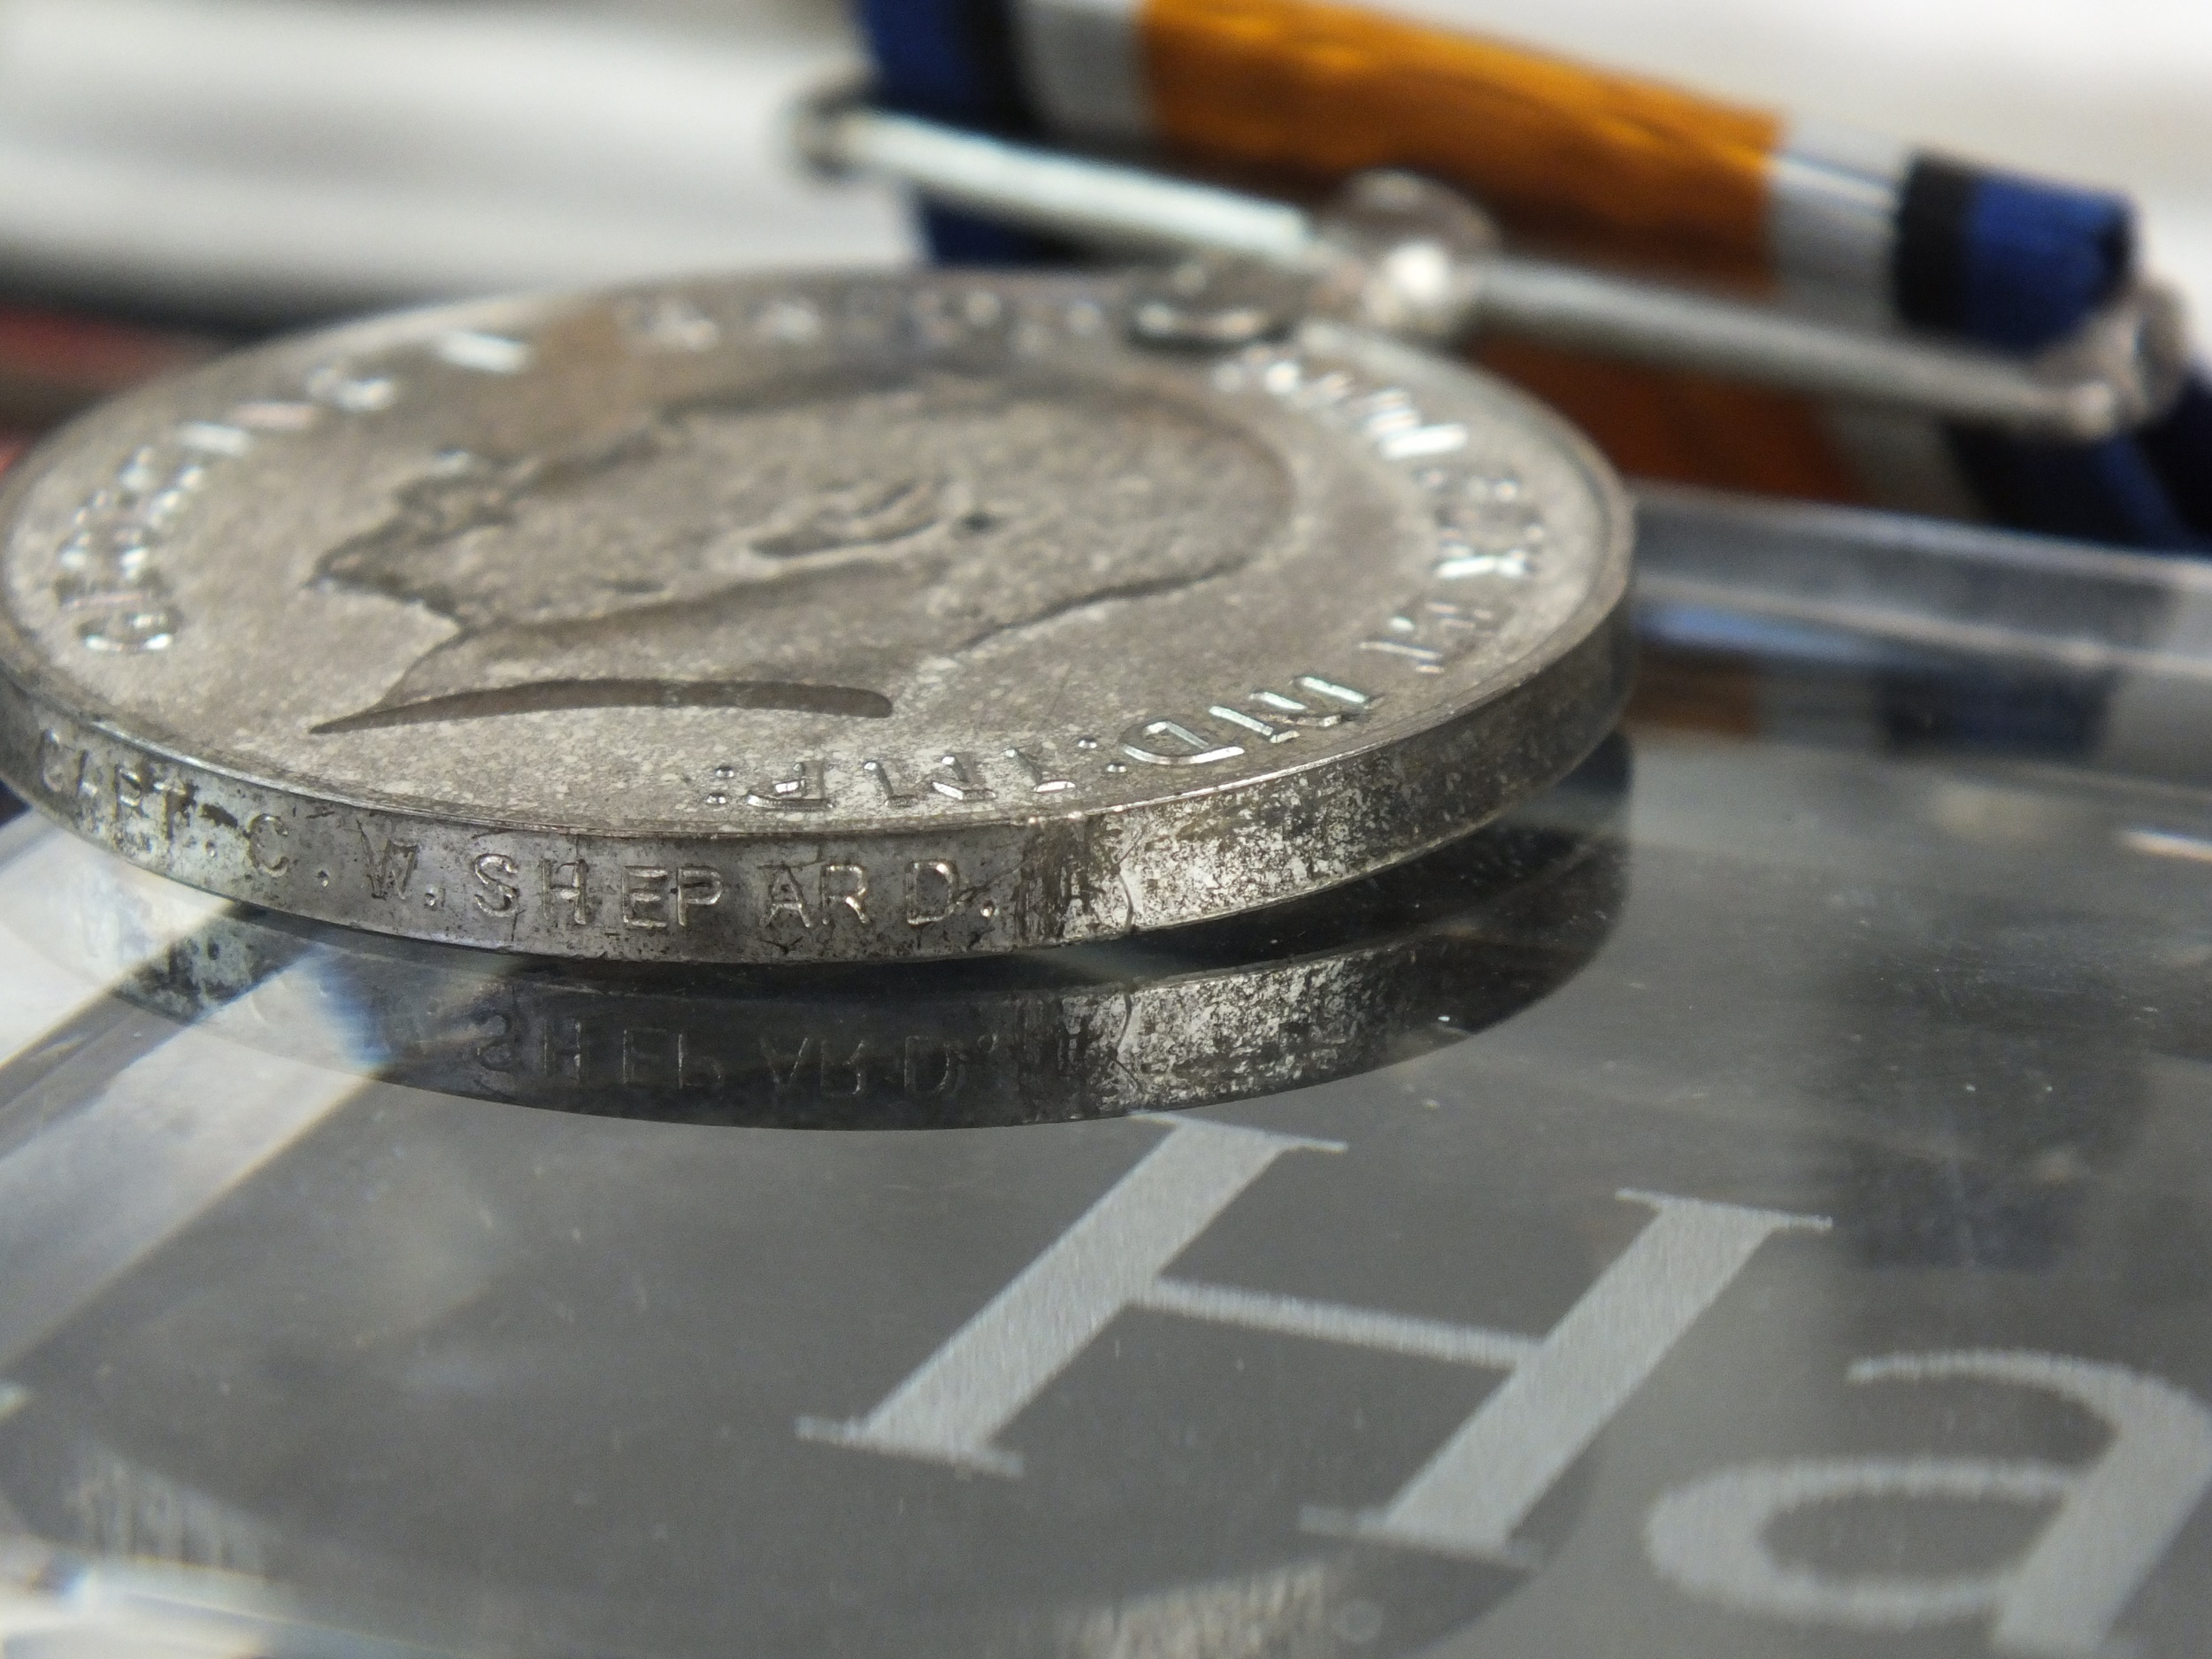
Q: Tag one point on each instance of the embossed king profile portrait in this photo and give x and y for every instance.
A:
(808, 550)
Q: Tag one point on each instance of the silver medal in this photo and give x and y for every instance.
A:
(899, 616)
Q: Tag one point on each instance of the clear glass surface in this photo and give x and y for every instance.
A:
(1756, 1200)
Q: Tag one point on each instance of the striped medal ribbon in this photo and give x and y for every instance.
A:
(1617, 171)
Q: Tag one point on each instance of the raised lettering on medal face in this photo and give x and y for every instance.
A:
(886, 575)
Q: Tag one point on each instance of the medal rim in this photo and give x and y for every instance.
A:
(1591, 647)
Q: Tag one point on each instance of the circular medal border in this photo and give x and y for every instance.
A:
(933, 891)
(944, 891)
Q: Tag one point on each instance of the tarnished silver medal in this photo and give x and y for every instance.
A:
(841, 618)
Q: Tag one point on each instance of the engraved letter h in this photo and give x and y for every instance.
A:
(1560, 1392)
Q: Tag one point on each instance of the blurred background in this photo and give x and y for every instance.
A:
(244, 161)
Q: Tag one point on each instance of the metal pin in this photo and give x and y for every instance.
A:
(1407, 256)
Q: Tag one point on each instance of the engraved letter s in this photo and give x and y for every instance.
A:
(499, 890)
(264, 831)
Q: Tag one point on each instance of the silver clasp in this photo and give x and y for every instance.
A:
(1406, 256)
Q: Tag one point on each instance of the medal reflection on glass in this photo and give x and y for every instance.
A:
(885, 617)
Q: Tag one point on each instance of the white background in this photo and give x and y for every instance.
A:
(228, 152)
